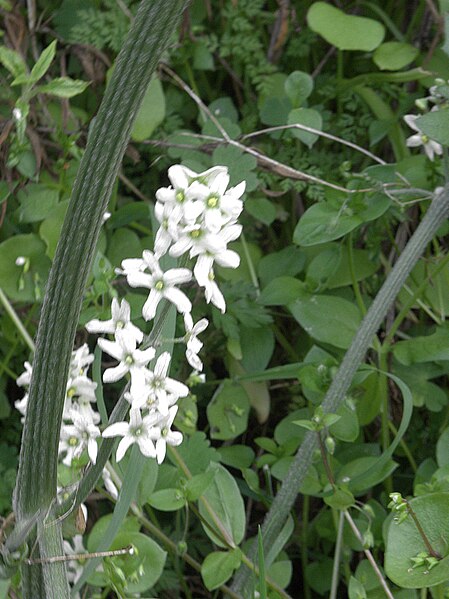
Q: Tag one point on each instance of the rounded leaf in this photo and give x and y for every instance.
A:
(345, 32)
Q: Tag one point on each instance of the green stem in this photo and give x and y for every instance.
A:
(337, 557)
(16, 320)
(37, 475)
(404, 446)
(283, 503)
(304, 544)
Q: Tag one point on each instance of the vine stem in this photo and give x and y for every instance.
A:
(16, 320)
(36, 483)
(283, 502)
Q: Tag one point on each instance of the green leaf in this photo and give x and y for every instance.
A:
(341, 499)
(40, 68)
(228, 411)
(263, 339)
(236, 456)
(224, 498)
(298, 87)
(36, 202)
(356, 590)
(62, 87)
(50, 229)
(219, 566)
(242, 166)
(324, 222)
(196, 486)
(435, 125)
(309, 118)
(151, 112)
(262, 209)
(428, 348)
(124, 243)
(346, 32)
(281, 291)
(346, 428)
(144, 567)
(340, 324)
(392, 56)
(287, 262)
(197, 452)
(404, 542)
(16, 284)
(12, 61)
(443, 449)
(167, 500)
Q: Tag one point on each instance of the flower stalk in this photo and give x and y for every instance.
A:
(36, 482)
(283, 502)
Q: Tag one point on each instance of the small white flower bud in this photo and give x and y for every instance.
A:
(20, 260)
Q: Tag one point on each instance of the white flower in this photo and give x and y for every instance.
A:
(131, 360)
(17, 114)
(25, 378)
(109, 484)
(136, 431)
(81, 359)
(78, 436)
(164, 436)
(81, 385)
(420, 139)
(20, 260)
(106, 216)
(213, 293)
(193, 343)
(131, 265)
(219, 206)
(75, 567)
(162, 285)
(160, 390)
(121, 319)
(21, 404)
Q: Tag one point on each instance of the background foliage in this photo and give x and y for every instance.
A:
(313, 258)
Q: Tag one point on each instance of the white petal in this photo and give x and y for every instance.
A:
(166, 194)
(161, 450)
(123, 447)
(116, 429)
(140, 279)
(146, 447)
(111, 375)
(179, 299)
(193, 360)
(200, 326)
(181, 246)
(179, 176)
(174, 438)
(176, 276)
(100, 326)
(162, 365)
(202, 269)
(220, 183)
(92, 450)
(111, 347)
(150, 306)
(228, 259)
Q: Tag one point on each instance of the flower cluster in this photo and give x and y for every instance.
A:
(439, 97)
(198, 218)
(79, 430)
